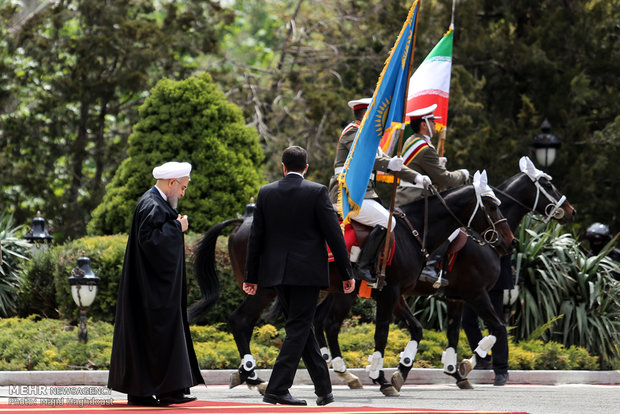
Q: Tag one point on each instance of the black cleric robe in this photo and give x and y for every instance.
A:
(152, 350)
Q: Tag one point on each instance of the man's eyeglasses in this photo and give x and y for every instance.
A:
(182, 185)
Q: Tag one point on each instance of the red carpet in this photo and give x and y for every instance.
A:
(201, 407)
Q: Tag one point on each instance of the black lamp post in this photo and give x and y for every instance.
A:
(38, 233)
(83, 284)
(546, 145)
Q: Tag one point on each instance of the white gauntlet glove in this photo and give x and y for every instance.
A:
(423, 180)
(464, 171)
(396, 164)
(443, 161)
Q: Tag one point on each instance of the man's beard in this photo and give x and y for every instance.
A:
(173, 201)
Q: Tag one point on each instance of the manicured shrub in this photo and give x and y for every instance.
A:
(188, 120)
(51, 344)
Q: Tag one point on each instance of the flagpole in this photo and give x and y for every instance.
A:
(442, 134)
(386, 247)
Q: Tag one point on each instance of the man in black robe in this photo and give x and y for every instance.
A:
(153, 358)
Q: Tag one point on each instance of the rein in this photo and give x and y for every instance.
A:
(492, 239)
(552, 210)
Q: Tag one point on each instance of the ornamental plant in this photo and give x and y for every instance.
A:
(188, 120)
(15, 252)
(561, 284)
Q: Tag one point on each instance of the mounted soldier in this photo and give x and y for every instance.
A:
(371, 213)
(420, 155)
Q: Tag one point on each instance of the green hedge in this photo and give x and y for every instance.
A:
(46, 292)
(51, 344)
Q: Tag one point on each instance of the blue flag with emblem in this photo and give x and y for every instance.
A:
(386, 107)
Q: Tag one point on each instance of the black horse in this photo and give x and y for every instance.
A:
(474, 272)
(447, 213)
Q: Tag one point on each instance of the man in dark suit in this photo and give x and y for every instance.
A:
(293, 220)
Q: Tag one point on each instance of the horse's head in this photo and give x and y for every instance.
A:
(546, 199)
(487, 219)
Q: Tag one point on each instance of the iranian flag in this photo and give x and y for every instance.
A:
(430, 84)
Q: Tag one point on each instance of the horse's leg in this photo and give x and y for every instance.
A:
(497, 338)
(242, 321)
(340, 307)
(455, 310)
(386, 301)
(403, 312)
(322, 311)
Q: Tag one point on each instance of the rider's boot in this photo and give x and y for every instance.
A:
(361, 268)
(429, 273)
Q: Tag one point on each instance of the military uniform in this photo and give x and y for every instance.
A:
(420, 155)
(381, 162)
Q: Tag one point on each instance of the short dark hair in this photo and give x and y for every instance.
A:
(415, 125)
(295, 159)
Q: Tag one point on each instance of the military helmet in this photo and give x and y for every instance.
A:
(598, 232)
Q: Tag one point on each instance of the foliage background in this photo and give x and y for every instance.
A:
(188, 120)
(50, 344)
(291, 66)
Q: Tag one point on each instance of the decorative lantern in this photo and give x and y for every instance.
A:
(546, 145)
(83, 282)
(38, 233)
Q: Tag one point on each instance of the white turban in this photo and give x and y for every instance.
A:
(172, 170)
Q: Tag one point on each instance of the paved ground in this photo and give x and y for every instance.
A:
(535, 392)
(534, 399)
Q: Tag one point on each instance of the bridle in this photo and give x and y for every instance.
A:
(552, 210)
(490, 236)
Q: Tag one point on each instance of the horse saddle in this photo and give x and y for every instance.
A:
(355, 234)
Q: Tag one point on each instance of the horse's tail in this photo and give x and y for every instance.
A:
(205, 271)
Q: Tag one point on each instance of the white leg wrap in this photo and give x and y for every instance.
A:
(338, 365)
(408, 355)
(327, 356)
(248, 362)
(485, 345)
(355, 253)
(448, 358)
(376, 365)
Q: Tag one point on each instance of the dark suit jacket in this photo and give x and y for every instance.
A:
(292, 221)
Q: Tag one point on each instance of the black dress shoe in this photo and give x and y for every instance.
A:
(500, 379)
(282, 399)
(325, 399)
(175, 398)
(149, 401)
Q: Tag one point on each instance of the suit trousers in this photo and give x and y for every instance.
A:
(299, 305)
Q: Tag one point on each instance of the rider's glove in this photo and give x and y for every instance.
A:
(443, 161)
(423, 180)
(465, 172)
(396, 164)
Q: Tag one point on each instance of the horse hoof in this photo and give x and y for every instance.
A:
(352, 381)
(390, 391)
(397, 380)
(464, 385)
(465, 367)
(235, 379)
(260, 387)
